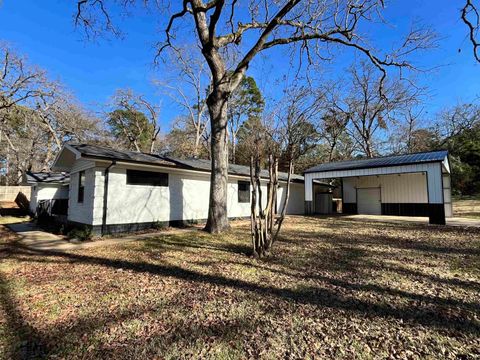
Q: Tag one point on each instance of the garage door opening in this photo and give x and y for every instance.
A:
(369, 201)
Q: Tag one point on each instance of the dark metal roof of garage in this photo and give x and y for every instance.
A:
(408, 159)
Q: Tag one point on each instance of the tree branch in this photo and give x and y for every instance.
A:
(473, 28)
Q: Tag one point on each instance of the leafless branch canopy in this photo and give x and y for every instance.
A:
(20, 82)
(222, 24)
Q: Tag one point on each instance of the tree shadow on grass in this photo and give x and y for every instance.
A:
(306, 295)
(343, 254)
(194, 240)
(429, 311)
(406, 243)
(26, 342)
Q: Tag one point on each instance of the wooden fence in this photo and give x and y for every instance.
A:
(10, 193)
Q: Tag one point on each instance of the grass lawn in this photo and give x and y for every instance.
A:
(468, 206)
(4, 220)
(334, 288)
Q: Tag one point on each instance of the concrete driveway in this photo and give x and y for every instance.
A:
(455, 221)
(32, 237)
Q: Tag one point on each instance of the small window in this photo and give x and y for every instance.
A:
(149, 178)
(81, 186)
(243, 192)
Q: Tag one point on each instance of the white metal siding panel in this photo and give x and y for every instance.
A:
(446, 164)
(309, 186)
(433, 170)
(435, 188)
(404, 188)
(370, 171)
(349, 191)
(447, 195)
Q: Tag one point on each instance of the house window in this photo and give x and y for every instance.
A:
(149, 178)
(81, 186)
(243, 192)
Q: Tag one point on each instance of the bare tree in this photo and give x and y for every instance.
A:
(190, 92)
(371, 105)
(454, 121)
(408, 133)
(230, 37)
(37, 116)
(135, 118)
(471, 17)
(20, 82)
(333, 126)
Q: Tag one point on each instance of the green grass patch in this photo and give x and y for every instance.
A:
(5, 220)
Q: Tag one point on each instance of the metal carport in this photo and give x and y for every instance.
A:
(412, 185)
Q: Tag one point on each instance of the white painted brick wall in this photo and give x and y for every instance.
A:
(186, 198)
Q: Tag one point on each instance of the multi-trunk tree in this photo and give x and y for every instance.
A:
(284, 140)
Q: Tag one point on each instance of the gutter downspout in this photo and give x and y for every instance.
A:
(105, 197)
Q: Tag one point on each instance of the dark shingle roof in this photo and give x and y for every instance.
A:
(47, 177)
(395, 160)
(233, 169)
(96, 151)
(101, 152)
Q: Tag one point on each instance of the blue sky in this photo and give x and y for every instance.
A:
(44, 31)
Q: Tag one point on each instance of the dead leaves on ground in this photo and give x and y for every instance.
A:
(332, 289)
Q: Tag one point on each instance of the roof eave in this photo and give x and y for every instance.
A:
(374, 166)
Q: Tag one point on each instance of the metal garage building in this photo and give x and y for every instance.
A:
(407, 185)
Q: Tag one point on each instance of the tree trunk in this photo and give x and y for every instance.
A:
(368, 147)
(48, 157)
(198, 136)
(234, 148)
(285, 204)
(217, 212)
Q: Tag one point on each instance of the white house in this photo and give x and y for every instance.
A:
(116, 191)
(49, 192)
(406, 185)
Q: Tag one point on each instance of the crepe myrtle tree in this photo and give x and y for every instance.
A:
(290, 135)
(230, 34)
